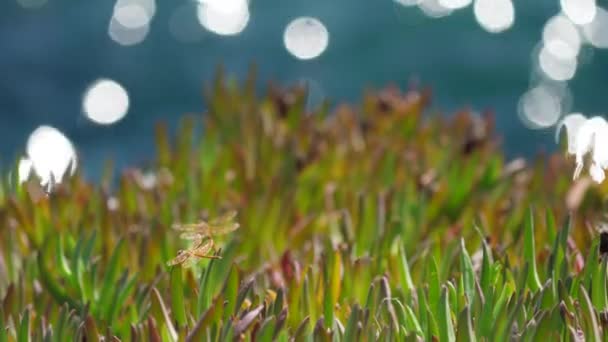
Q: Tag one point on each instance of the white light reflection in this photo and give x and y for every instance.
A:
(148, 5)
(572, 122)
(555, 67)
(131, 16)
(596, 32)
(113, 203)
(540, 107)
(434, 8)
(130, 21)
(24, 169)
(51, 155)
(408, 2)
(224, 17)
(455, 4)
(588, 141)
(494, 16)
(125, 36)
(581, 12)
(561, 37)
(306, 38)
(105, 102)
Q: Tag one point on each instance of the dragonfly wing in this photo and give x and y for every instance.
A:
(191, 227)
(194, 236)
(227, 217)
(224, 229)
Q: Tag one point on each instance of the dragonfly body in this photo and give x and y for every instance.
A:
(201, 234)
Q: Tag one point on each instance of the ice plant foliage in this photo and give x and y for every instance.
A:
(370, 223)
(587, 139)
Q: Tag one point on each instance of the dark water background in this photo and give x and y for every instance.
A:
(49, 56)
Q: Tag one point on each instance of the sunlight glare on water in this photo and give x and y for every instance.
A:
(408, 2)
(561, 38)
(126, 36)
(557, 68)
(434, 8)
(105, 102)
(24, 169)
(131, 16)
(494, 16)
(148, 5)
(455, 4)
(306, 38)
(224, 17)
(581, 12)
(596, 32)
(130, 23)
(540, 107)
(50, 154)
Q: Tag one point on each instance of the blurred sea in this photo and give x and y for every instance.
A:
(50, 56)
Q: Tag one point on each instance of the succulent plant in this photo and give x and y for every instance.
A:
(383, 221)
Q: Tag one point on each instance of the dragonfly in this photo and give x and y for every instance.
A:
(201, 234)
(219, 226)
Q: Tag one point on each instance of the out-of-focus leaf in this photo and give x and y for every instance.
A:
(3, 335)
(404, 270)
(434, 284)
(468, 275)
(244, 323)
(108, 286)
(444, 318)
(465, 331)
(91, 332)
(592, 329)
(161, 314)
(24, 334)
(530, 252)
(177, 296)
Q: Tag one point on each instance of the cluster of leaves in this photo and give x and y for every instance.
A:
(374, 223)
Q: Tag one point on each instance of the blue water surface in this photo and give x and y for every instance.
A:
(49, 56)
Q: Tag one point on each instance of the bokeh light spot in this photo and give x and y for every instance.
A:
(561, 37)
(51, 154)
(131, 16)
(105, 102)
(557, 68)
(455, 4)
(572, 122)
(540, 107)
(127, 36)
(224, 17)
(596, 32)
(24, 169)
(130, 23)
(494, 16)
(306, 38)
(579, 11)
(434, 8)
(408, 2)
(148, 5)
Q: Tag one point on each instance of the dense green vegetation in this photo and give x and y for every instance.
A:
(381, 222)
